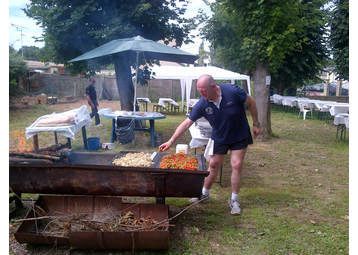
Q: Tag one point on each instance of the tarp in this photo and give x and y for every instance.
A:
(187, 74)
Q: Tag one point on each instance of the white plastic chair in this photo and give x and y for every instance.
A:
(304, 111)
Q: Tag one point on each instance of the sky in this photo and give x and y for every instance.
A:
(29, 27)
(17, 20)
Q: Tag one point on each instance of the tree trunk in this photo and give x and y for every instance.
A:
(326, 88)
(124, 82)
(244, 82)
(262, 98)
(339, 88)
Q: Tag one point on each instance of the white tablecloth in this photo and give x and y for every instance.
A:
(320, 105)
(192, 102)
(346, 121)
(143, 99)
(137, 115)
(340, 119)
(308, 103)
(162, 101)
(276, 98)
(288, 100)
(336, 108)
(83, 119)
(196, 139)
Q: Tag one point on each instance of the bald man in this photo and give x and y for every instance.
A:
(223, 107)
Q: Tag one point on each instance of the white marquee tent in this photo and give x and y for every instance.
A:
(187, 74)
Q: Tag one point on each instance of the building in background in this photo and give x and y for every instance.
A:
(46, 68)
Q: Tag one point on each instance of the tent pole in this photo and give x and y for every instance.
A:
(135, 87)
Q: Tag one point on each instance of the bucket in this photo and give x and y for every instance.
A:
(158, 139)
(93, 143)
(182, 148)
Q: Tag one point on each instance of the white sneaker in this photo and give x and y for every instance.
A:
(235, 206)
(196, 199)
(99, 125)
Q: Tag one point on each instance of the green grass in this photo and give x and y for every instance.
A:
(294, 196)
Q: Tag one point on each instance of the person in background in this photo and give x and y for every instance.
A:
(92, 100)
(223, 107)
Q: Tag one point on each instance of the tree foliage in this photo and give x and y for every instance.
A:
(33, 53)
(71, 28)
(250, 30)
(279, 33)
(17, 68)
(306, 60)
(339, 38)
(202, 54)
(280, 38)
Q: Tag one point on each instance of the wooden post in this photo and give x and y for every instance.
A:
(171, 82)
(68, 142)
(84, 137)
(326, 88)
(58, 86)
(339, 88)
(150, 91)
(56, 140)
(36, 142)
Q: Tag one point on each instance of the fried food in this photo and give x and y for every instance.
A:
(140, 159)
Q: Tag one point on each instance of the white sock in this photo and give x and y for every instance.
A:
(234, 196)
(205, 191)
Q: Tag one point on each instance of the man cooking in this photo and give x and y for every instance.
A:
(223, 106)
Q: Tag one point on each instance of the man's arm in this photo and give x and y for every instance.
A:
(253, 109)
(184, 126)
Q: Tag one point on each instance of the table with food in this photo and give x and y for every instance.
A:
(151, 116)
(64, 123)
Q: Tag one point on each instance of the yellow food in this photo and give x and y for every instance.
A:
(140, 159)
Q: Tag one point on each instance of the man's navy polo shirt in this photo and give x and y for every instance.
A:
(229, 123)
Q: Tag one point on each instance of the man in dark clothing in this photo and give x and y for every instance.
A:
(223, 107)
(92, 100)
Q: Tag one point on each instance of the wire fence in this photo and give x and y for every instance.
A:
(61, 86)
(55, 85)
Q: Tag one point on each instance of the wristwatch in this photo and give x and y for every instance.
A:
(256, 124)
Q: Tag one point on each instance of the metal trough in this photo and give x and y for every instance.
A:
(88, 173)
(94, 183)
(94, 208)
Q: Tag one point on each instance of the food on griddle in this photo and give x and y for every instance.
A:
(140, 159)
(56, 120)
(179, 161)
